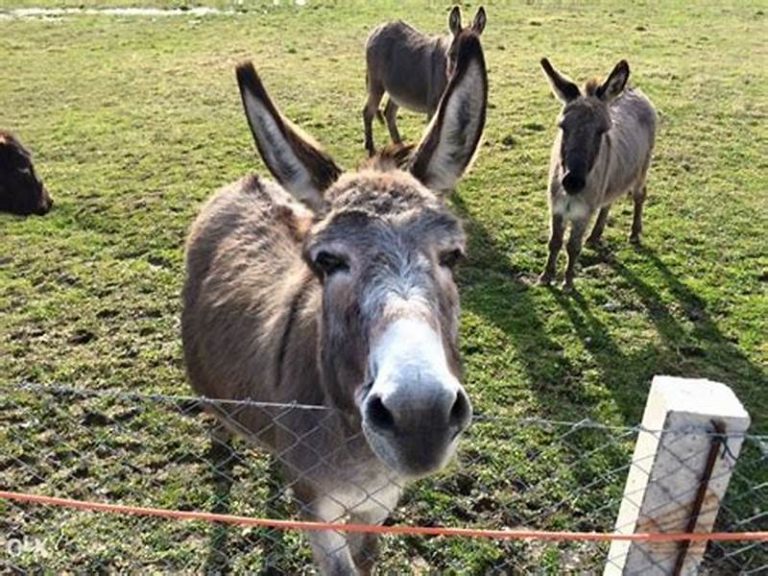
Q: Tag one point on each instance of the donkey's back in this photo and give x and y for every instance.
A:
(407, 64)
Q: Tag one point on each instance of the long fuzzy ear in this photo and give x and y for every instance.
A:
(615, 83)
(294, 159)
(564, 89)
(452, 137)
(478, 24)
(454, 20)
(13, 155)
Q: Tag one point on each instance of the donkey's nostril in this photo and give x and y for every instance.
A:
(461, 412)
(379, 415)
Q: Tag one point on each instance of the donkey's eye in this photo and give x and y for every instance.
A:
(450, 258)
(329, 263)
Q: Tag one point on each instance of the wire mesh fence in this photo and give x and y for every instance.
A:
(158, 451)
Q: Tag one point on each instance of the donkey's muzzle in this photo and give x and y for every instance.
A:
(416, 434)
(573, 183)
(416, 408)
(45, 204)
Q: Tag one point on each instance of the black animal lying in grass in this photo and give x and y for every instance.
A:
(21, 191)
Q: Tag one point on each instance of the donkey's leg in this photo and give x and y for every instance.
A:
(330, 549)
(556, 231)
(365, 549)
(597, 229)
(578, 228)
(637, 217)
(273, 544)
(371, 108)
(331, 553)
(365, 545)
(390, 114)
(222, 458)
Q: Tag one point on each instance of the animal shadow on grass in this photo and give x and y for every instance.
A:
(704, 351)
(223, 456)
(692, 345)
(492, 288)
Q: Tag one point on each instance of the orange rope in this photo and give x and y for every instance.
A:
(419, 530)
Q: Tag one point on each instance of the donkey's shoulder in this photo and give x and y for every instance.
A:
(635, 104)
(253, 205)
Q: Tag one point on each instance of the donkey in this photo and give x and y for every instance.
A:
(344, 301)
(602, 151)
(21, 191)
(411, 67)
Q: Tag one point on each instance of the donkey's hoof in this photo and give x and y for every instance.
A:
(595, 243)
(634, 239)
(568, 286)
(545, 279)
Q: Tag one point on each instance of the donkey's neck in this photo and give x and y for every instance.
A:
(311, 369)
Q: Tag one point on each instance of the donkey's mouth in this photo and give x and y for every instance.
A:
(411, 457)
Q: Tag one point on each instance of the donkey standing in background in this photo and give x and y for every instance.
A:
(350, 306)
(21, 191)
(411, 67)
(602, 151)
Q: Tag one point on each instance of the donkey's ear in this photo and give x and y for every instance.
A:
(615, 83)
(478, 24)
(564, 89)
(454, 20)
(12, 154)
(293, 158)
(452, 137)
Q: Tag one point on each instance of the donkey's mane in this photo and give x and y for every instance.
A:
(380, 192)
(591, 86)
(391, 157)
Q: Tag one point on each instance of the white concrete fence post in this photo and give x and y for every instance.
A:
(691, 436)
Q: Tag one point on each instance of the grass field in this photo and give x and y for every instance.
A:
(135, 121)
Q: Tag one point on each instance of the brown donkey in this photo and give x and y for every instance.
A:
(21, 191)
(602, 151)
(411, 67)
(349, 305)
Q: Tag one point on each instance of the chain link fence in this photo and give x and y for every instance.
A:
(158, 451)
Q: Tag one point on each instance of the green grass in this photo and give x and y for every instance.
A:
(135, 121)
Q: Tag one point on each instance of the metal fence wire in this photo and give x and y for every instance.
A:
(158, 451)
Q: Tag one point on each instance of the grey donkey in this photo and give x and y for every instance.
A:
(344, 301)
(411, 67)
(602, 150)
